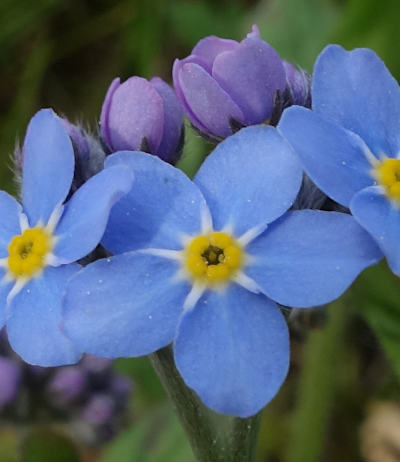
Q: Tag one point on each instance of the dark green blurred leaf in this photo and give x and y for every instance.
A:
(44, 445)
(158, 437)
(377, 297)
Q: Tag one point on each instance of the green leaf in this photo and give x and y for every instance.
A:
(44, 445)
(377, 297)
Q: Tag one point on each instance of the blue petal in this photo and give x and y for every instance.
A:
(334, 158)
(250, 179)
(9, 221)
(85, 216)
(310, 257)
(48, 166)
(356, 90)
(162, 205)
(34, 325)
(127, 305)
(233, 350)
(5, 288)
(381, 218)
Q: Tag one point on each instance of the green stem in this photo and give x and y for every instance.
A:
(317, 387)
(244, 438)
(194, 416)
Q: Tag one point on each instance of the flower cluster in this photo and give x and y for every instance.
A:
(89, 398)
(204, 264)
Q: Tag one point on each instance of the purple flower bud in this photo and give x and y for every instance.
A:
(99, 409)
(224, 85)
(67, 384)
(79, 141)
(10, 375)
(299, 83)
(142, 115)
(95, 364)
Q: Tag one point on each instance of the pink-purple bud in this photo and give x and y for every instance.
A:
(142, 115)
(224, 84)
(10, 375)
(67, 384)
(299, 84)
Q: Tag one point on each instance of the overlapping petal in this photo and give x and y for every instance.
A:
(356, 90)
(86, 213)
(173, 120)
(34, 324)
(48, 166)
(250, 179)
(9, 226)
(251, 74)
(5, 287)
(333, 157)
(233, 350)
(310, 257)
(127, 305)
(214, 107)
(162, 205)
(210, 47)
(381, 218)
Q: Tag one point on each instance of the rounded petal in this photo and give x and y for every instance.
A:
(233, 350)
(310, 257)
(86, 214)
(176, 68)
(127, 305)
(251, 74)
(34, 325)
(105, 110)
(48, 166)
(173, 121)
(333, 157)
(210, 47)
(135, 112)
(9, 225)
(381, 218)
(356, 90)
(212, 106)
(250, 179)
(161, 207)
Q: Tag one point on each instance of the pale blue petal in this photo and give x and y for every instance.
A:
(162, 205)
(48, 166)
(333, 157)
(356, 90)
(85, 216)
(310, 257)
(5, 288)
(34, 326)
(381, 218)
(250, 179)
(233, 350)
(9, 221)
(127, 305)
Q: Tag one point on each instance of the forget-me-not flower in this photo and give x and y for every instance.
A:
(40, 241)
(350, 142)
(204, 264)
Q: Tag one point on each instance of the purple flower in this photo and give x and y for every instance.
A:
(142, 115)
(9, 380)
(223, 85)
(67, 384)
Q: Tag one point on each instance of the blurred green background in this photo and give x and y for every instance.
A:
(342, 394)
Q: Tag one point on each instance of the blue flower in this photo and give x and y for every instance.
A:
(40, 241)
(204, 264)
(350, 143)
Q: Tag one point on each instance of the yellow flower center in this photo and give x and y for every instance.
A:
(213, 258)
(27, 252)
(388, 175)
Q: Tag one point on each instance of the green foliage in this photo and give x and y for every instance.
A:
(377, 297)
